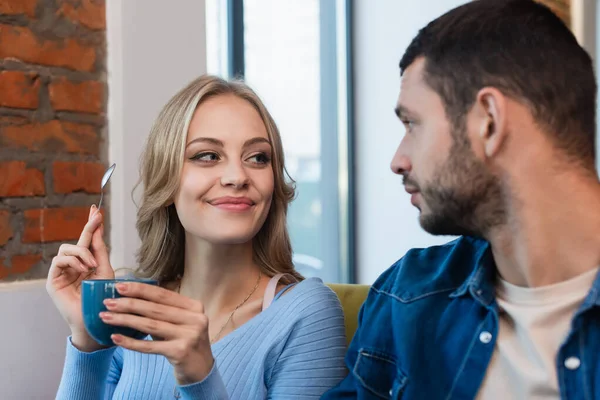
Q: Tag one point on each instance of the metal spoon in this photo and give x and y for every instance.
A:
(105, 179)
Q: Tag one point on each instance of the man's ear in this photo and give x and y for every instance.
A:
(492, 120)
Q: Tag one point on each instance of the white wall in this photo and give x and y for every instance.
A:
(387, 224)
(32, 342)
(386, 221)
(595, 50)
(586, 21)
(155, 48)
(584, 17)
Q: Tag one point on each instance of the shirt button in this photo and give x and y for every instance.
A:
(485, 337)
(572, 363)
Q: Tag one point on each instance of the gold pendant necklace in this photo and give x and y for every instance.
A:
(176, 393)
(212, 341)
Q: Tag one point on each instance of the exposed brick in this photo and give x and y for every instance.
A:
(53, 136)
(16, 7)
(54, 224)
(19, 89)
(69, 177)
(76, 96)
(51, 122)
(89, 13)
(24, 262)
(5, 230)
(12, 120)
(19, 181)
(20, 264)
(4, 270)
(21, 43)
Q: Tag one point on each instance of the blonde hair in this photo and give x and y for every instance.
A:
(161, 255)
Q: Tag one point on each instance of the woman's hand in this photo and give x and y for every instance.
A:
(179, 321)
(88, 259)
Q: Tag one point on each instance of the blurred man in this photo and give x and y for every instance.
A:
(498, 100)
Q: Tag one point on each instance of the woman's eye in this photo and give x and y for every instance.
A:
(260, 158)
(205, 157)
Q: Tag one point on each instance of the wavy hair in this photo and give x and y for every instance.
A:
(161, 255)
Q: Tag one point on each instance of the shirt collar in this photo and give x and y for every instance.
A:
(480, 283)
(593, 297)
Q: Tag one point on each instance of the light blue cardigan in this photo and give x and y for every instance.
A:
(292, 350)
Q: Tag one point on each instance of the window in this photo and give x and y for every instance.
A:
(295, 54)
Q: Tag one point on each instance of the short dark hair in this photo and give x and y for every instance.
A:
(523, 49)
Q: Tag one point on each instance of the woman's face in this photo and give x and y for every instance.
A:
(227, 179)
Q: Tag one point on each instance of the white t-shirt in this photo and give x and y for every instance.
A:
(533, 323)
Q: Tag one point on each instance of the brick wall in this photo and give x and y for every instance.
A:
(52, 121)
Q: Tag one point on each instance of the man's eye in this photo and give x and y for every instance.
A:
(408, 124)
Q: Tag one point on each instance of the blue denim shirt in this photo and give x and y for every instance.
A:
(428, 329)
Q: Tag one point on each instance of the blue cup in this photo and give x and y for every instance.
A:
(93, 294)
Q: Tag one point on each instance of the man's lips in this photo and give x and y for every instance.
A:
(411, 189)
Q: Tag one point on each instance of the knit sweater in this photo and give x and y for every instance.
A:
(292, 350)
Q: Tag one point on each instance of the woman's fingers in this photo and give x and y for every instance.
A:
(150, 326)
(159, 295)
(100, 251)
(83, 253)
(155, 311)
(61, 263)
(78, 257)
(144, 346)
(94, 221)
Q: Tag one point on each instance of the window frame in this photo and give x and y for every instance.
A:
(337, 101)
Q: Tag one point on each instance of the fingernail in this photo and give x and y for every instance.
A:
(110, 303)
(105, 316)
(116, 338)
(94, 206)
(121, 287)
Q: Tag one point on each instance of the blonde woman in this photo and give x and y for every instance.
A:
(235, 320)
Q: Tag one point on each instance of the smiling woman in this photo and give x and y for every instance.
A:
(231, 317)
(228, 146)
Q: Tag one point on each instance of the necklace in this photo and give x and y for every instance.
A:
(176, 393)
(213, 340)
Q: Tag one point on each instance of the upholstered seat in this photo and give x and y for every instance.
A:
(352, 297)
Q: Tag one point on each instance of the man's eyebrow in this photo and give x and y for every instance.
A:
(401, 111)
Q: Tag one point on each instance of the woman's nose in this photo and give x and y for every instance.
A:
(235, 176)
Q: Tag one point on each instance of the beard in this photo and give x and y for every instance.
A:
(463, 198)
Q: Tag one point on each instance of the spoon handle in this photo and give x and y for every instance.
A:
(101, 196)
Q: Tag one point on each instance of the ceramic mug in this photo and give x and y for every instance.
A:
(93, 294)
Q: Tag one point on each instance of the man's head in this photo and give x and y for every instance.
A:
(479, 84)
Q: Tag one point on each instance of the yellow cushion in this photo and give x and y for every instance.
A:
(352, 297)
